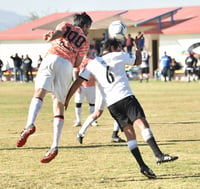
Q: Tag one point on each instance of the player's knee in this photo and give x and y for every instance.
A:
(78, 105)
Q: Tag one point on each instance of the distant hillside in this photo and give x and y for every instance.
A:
(10, 19)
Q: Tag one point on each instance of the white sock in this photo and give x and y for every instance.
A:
(132, 144)
(147, 134)
(57, 129)
(78, 114)
(91, 109)
(86, 124)
(115, 126)
(34, 108)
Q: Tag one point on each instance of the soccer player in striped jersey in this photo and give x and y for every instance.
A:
(69, 46)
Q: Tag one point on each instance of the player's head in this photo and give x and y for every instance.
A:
(112, 45)
(83, 21)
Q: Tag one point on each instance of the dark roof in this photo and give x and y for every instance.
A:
(175, 20)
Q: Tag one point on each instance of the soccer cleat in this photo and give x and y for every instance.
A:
(77, 124)
(80, 138)
(117, 139)
(147, 172)
(25, 134)
(94, 124)
(51, 154)
(165, 158)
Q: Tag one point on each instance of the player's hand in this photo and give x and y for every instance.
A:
(48, 36)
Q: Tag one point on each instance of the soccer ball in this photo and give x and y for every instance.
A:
(117, 29)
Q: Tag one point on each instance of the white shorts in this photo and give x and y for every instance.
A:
(88, 92)
(55, 75)
(99, 101)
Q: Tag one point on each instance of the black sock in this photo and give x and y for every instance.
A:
(138, 157)
(156, 150)
(115, 134)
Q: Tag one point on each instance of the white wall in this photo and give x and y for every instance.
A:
(176, 45)
(33, 48)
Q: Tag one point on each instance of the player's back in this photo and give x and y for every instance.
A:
(73, 43)
(109, 71)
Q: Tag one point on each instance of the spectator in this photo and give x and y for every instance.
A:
(17, 67)
(28, 75)
(165, 63)
(129, 44)
(94, 49)
(141, 44)
(191, 64)
(144, 67)
(174, 66)
(198, 68)
(1, 65)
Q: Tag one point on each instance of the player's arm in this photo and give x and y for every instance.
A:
(138, 55)
(78, 61)
(52, 35)
(77, 83)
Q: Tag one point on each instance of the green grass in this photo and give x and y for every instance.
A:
(172, 109)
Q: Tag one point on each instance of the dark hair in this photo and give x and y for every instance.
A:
(81, 19)
(111, 42)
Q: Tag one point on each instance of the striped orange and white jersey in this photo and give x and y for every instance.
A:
(73, 44)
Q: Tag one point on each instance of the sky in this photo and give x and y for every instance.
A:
(46, 7)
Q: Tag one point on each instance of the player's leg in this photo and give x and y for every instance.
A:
(62, 67)
(35, 106)
(115, 137)
(148, 137)
(78, 112)
(90, 119)
(119, 112)
(58, 123)
(79, 96)
(43, 84)
(90, 96)
(133, 147)
(99, 107)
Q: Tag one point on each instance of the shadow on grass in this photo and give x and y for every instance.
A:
(83, 146)
(159, 177)
(176, 123)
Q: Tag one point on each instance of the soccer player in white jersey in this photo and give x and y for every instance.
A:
(69, 46)
(109, 72)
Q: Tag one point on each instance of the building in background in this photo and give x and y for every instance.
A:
(172, 30)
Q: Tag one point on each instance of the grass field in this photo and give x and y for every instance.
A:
(172, 109)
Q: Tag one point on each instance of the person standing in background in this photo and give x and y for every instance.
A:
(1, 73)
(165, 63)
(17, 61)
(129, 44)
(28, 75)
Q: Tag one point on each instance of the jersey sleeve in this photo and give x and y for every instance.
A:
(85, 73)
(62, 26)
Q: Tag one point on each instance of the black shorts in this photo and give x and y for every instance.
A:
(126, 111)
(145, 70)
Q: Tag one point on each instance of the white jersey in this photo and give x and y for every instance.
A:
(109, 72)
